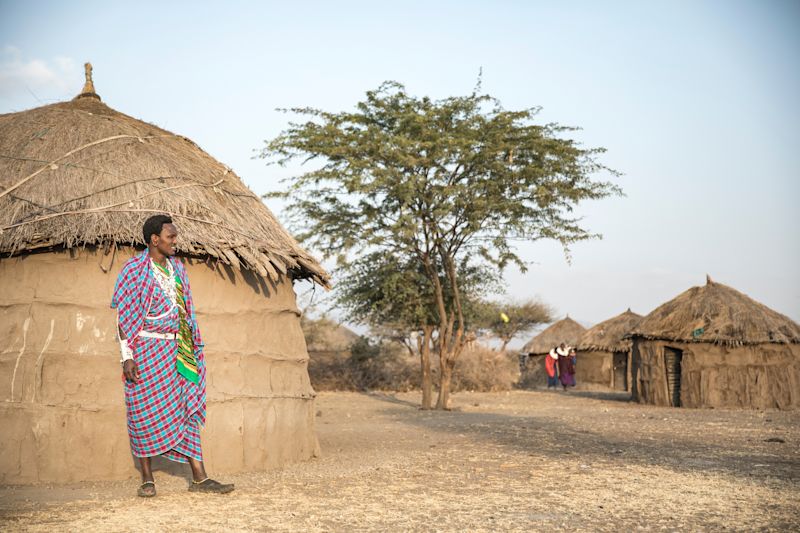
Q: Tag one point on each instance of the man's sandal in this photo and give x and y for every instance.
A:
(209, 485)
(147, 489)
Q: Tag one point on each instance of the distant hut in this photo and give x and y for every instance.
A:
(532, 354)
(77, 180)
(713, 346)
(603, 354)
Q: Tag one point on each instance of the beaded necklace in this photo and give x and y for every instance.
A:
(166, 281)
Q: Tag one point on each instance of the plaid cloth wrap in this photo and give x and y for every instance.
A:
(165, 411)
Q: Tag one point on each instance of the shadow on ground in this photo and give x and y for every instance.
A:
(681, 440)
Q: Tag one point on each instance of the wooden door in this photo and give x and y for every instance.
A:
(672, 360)
(620, 371)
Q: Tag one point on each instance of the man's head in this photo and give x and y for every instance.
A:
(562, 345)
(161, 234)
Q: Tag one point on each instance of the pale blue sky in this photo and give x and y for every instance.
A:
(696, 103)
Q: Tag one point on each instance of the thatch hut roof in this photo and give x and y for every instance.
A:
(565, 330)
(607, 336)
(79, 173)
(717, 314)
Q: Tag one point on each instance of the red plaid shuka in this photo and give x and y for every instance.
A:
(165, 411)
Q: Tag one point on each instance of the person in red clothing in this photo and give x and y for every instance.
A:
(551, 367)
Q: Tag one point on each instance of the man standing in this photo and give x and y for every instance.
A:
(162, 358)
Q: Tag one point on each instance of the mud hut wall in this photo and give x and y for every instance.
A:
(751, 376)
(594, 367)
(62, 409)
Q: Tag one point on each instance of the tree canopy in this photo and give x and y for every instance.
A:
(443, 184)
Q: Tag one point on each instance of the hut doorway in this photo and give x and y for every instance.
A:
(619, 376)
(672, 360)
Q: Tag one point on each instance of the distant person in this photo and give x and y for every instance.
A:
(566, 370)
(573, 355)
(551, 367)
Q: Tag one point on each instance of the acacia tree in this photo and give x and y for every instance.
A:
(447, 182)
(505, 321)
(394, 297)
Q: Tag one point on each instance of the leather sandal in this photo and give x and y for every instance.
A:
(145, 492)
(209, 485)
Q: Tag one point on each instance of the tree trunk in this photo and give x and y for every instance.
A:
(446, 364)
(443, 401)
(425, 362)
(505, 344)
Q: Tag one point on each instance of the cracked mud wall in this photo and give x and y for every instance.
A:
(763, 376)
(594, 367)
(61, 401)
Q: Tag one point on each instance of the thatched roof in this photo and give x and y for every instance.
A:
(565, 330)
(79, 173)
(608, 336)
(717, 314)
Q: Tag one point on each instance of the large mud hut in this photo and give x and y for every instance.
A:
(603, 353)
(713, 346)
(78, 179)
(533, 353)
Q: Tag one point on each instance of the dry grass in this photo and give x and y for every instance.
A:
(389, 367)
(518, 461)
(364, 366)
(484, 370)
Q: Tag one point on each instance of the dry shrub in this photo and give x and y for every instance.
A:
(484, 370)
(371, 365)
(366, 365)
(329, 371)
(533, 373)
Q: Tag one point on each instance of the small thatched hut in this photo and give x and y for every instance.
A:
(713, 346)
(565, 330)
(603, 354)
(77, 180)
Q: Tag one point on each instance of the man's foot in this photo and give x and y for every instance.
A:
(209, 485)
(147, 489)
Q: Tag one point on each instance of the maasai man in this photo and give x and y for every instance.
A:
(162, 358)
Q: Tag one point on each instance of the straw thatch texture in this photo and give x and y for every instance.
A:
(80, 173)
(565, 330)
(716, 313)
(608, 336)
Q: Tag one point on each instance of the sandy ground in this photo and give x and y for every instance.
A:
(518, 461)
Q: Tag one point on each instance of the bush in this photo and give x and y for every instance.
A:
(366, 365)
(533, 375)
(369, 365)
(483, 370)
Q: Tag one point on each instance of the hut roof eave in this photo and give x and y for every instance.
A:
(732, 343)
(717, 314)
(564, 330)
(609, 335)
(79, 173)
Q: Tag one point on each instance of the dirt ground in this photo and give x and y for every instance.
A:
(518, 461)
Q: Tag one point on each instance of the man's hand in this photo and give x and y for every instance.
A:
(131, 371)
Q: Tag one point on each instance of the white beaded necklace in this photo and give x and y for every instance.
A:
(166, 282)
